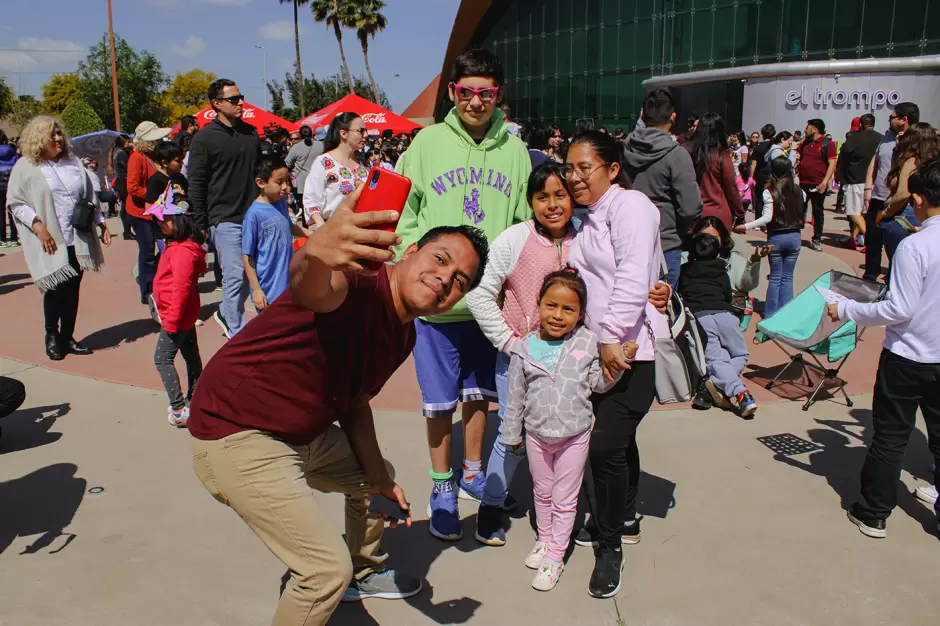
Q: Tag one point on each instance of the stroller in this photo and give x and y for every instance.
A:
(802, 329)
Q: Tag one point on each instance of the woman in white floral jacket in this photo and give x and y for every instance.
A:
(336, 173)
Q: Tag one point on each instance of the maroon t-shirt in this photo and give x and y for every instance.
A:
(813, 166)
(292, 372)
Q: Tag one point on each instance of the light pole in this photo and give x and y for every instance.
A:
(114, 83)
(264, 52)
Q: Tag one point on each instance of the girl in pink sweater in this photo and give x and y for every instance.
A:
(505, 305)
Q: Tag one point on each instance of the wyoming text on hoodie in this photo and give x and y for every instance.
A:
(456, 180)
(663, 171)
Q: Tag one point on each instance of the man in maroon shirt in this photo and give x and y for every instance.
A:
(816, 166)
(264, 412)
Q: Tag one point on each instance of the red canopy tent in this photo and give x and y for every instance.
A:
(256, 116)
(375, 117)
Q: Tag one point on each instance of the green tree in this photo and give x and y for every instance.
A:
(6, 98)
(61, 91)
(187, 94)
(300, 73)
(320, 93)
(368, 21)
(278, 106)
(24, 108)
(80, 119)
(336, 14)
(140, 81)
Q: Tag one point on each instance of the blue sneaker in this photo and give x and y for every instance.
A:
(747, 407)
(445, 521)
(474, 489)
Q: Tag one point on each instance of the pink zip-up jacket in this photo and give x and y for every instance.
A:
(518, 262)
(620, 264)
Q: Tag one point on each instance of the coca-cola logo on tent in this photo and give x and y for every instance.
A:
(374, 118)
(211, 114)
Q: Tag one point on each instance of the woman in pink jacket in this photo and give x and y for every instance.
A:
(619, 256)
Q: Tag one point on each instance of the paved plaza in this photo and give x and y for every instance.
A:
(102, 521)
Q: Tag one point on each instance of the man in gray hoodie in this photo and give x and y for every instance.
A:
(661, 169)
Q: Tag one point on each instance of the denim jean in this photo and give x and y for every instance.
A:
(673, 264)
(786, 250)
(503, 462)
(874, 240)
(147, 258)
(227, 239)
(893, 234)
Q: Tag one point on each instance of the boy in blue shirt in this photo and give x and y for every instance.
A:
(267, 245)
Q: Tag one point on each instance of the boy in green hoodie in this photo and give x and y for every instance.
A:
(467, 170)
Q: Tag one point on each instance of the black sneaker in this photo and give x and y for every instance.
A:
(605, 580)
(816, 245)
(217, 316)
(870, 526)
(702, 400)
(629, 534)
(490, 531)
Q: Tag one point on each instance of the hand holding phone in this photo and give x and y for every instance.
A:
(380, 505)
(383, 191)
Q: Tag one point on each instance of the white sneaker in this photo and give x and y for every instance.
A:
(927, 493)
(178, 418)
(548, 575)
(534, 560)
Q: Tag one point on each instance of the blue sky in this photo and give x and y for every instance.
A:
(219, 36)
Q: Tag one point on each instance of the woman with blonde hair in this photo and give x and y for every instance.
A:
(140, 168)
(56, 213)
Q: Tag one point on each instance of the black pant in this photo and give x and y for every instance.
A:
(168, 345)
(121, 188)
(147, 235)
(614, 456)
(874, 240)
(901, 386)
(60, 305)
(12, 395)
(816, 199)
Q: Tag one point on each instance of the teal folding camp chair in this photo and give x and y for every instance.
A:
(802, 329)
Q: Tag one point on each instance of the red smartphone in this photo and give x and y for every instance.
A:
(385, 191)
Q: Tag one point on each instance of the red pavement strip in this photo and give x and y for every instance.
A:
(112, 322)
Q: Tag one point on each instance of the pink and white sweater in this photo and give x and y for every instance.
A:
(518, 262)
(618, 253)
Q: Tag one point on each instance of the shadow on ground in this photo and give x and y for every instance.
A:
(41, 503)
(29, 428)
(13, 282)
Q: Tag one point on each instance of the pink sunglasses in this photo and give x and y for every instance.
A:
(467, 93)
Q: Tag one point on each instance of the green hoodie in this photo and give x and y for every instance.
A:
(457, 181)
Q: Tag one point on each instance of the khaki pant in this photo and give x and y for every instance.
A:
(270, 484)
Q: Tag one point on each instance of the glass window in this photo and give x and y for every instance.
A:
(847, 29)
(579, 97)
(536, 103)
(578, 50)
(610, 47)
(723, 45)
(702, 36)
(564, 14)
(906, 50)
(909, 22)
(876, 28)
(551, 15)
(933, 23)
(550, 55)
(564, 53)
(793, 26)
(680, 40)
(526, 10)
(643, 44)
(611, 9)
(592, 50)
(520, 103)
(819, 26)
(627, 101)
(608, 95)
(648, 8)
(509, 58)
(525, 59)
(563, 97)
(592, 12)
(745, 33)
(768, 32)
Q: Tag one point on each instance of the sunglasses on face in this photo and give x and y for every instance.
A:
(234, 99)
(361, 131)
(466, 94)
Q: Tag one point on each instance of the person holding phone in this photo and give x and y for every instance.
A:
(264, 412)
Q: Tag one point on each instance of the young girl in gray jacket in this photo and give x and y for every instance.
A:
(552, 374)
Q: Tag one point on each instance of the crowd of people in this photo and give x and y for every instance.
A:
(534, 276)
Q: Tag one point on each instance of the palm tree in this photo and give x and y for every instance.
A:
(300, 74)
(368, 21)
(336, 14)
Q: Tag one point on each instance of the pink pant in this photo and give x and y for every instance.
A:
(557, 467)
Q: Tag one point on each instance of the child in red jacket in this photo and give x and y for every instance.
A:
(177, 298)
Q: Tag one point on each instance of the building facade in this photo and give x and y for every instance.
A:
(570, 61)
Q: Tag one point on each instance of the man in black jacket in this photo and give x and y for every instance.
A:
(222, 161)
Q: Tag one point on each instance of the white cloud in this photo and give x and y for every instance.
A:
(281, 29)
(193, 47)
(34, 53)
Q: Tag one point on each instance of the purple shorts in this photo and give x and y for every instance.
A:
(455, 362)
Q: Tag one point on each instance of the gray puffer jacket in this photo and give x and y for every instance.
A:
(554, 404)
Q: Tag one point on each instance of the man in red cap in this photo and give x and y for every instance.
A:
(851, 168)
